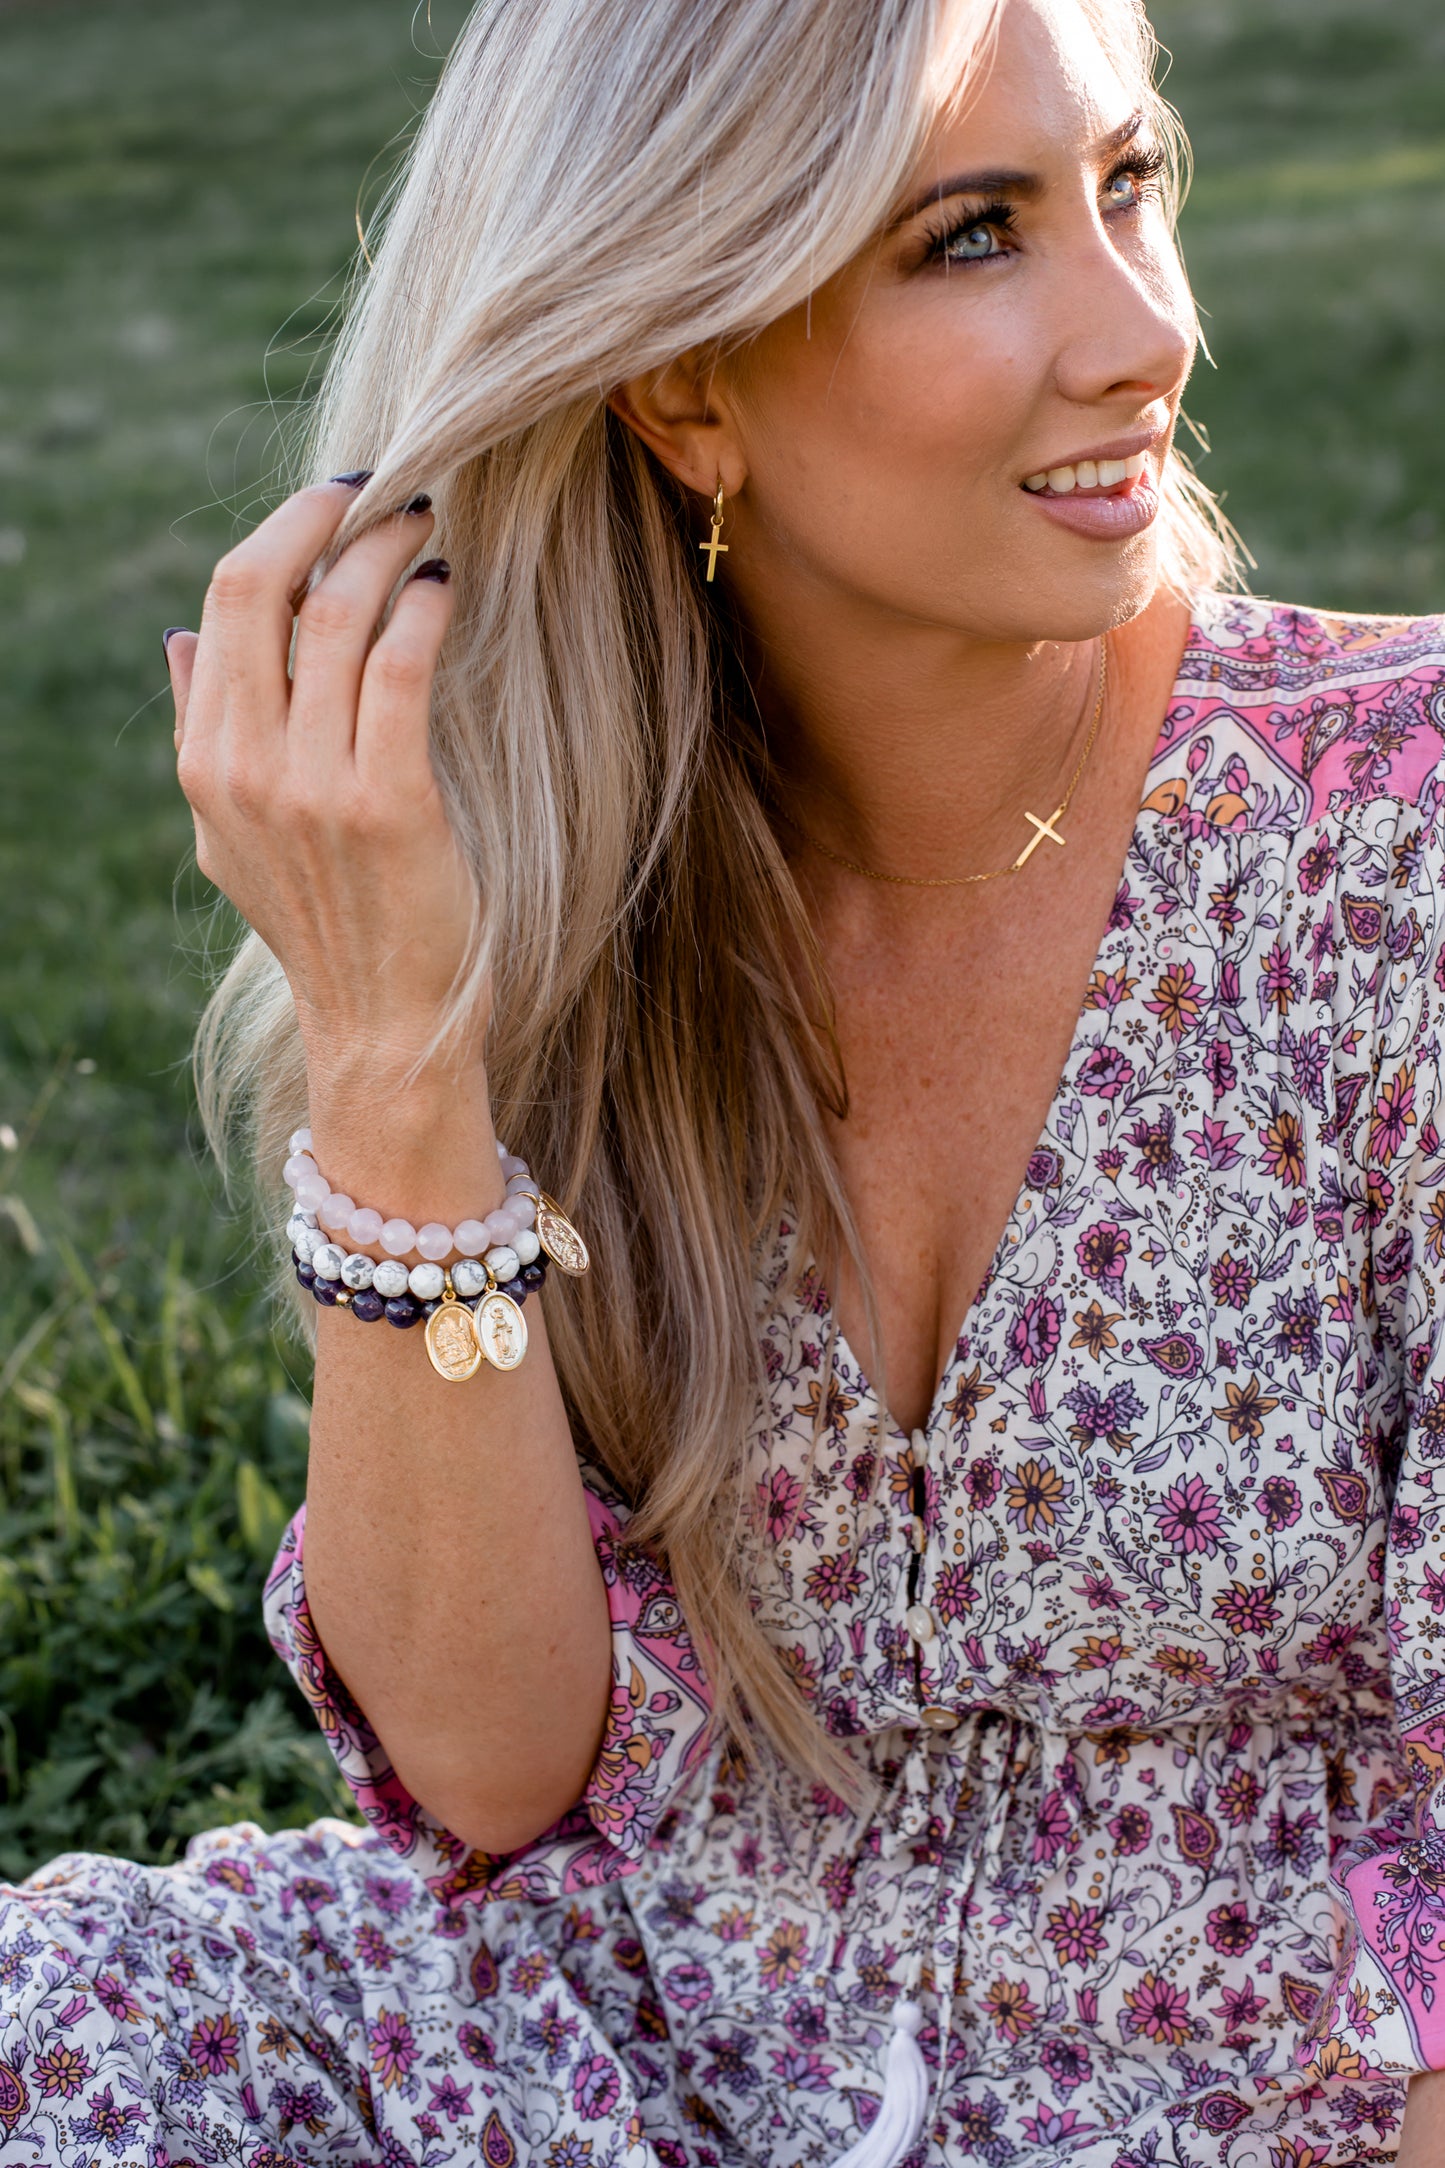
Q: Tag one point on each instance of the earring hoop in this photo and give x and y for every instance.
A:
(713, 548)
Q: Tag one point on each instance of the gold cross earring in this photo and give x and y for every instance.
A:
(712, 549)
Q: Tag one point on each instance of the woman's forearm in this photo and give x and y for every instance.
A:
(449, 1562)
(1422, 2136)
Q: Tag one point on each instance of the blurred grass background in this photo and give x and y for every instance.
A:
(180, 179)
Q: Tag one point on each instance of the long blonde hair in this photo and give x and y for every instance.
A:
(597, 187)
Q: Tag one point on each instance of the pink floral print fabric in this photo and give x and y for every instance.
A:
(1172, 1889)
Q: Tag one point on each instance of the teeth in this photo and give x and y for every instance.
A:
(1089, 474)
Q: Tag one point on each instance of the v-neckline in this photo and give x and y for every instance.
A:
(1011, 1234)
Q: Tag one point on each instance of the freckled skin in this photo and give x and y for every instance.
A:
(923, 639)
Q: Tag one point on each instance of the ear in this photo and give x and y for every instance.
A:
(683, 415)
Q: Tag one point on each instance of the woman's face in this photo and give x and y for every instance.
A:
(1026, 315)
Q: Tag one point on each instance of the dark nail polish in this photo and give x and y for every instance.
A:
(435, 568)
(169, 634)
(357, 478)
(420, 504)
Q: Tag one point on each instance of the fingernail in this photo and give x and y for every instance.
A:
(435, 568)
(168, 635)
(356, 478)
(420, 504)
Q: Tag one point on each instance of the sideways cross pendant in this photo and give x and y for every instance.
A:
(712, 549)
(1041, 829)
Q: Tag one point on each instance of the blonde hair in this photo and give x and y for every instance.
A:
(597, 187)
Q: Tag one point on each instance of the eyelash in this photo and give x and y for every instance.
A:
(1146, 167)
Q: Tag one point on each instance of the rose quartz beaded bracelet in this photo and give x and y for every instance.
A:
(366, 1228)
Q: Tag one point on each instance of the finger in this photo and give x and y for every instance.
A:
(394, 710)
(180, 646)
(335, 628)
(251, 602)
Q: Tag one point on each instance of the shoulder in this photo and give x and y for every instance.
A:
(1284, 717)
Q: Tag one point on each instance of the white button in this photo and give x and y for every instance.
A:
(919, 1442)
(920, 1623)
(938, 1719)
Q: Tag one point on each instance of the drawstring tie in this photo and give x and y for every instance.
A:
(1002, 1751)
(896, 2126)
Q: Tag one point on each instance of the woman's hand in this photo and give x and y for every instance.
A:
(317, 812)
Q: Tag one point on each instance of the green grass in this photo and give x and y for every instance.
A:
(180, 180)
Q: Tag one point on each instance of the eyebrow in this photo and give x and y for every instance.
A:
(998, 181)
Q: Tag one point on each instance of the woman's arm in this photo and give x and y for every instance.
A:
(1422, 2135)
(450, 1567)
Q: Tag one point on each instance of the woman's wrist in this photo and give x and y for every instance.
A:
(418, 1146)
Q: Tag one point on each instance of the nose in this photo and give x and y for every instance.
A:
(1132, 329)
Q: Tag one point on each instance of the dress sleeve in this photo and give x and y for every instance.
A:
(1384, 2013)
(658, 1723)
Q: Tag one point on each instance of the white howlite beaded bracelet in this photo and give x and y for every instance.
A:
(509, 1226)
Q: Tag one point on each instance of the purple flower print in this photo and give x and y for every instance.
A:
(733, 2063)
(1278, 1503)
(1231, 1281)
(688, 1984)
(802, 2070)
(1290, 1840)
(1055, 2126)
(1177, 999)
(108, 2123)
(1191, 1516)
(1035, 1333)
(1067, 2063)
(1230, 1930)
(1126, 909)
(393, 2047)
(1102, 1251)
(1394, 1115)
(450, 2099)
(1104, 1415)
(61, 2072)
(1216, 1145)
(215, 2045)
(1045, 1170)
(1106, 1073)
(1316, 866)
(1154, 1142)
(596, 2087)
(1280, 985)
(835, 1579)
(1296, 1319)
(1219, 1067)
(779, 1496)
(1310, 1062)
(1131, 1830)
(981, 1481)
(549, 2034)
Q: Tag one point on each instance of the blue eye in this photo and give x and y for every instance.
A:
(1122, 193)
(972, 243)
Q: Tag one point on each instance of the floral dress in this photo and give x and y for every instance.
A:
(1143, 1635)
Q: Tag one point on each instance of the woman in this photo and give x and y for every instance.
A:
(943, 1762)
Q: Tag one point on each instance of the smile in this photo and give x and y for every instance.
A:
(1089, 475)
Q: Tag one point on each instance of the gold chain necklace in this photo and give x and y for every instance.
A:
(1041, 829)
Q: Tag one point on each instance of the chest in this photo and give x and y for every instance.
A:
(954, 1027)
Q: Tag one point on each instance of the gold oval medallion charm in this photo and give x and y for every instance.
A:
(452, 1343)
(501, 1330)
(559, 1238)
